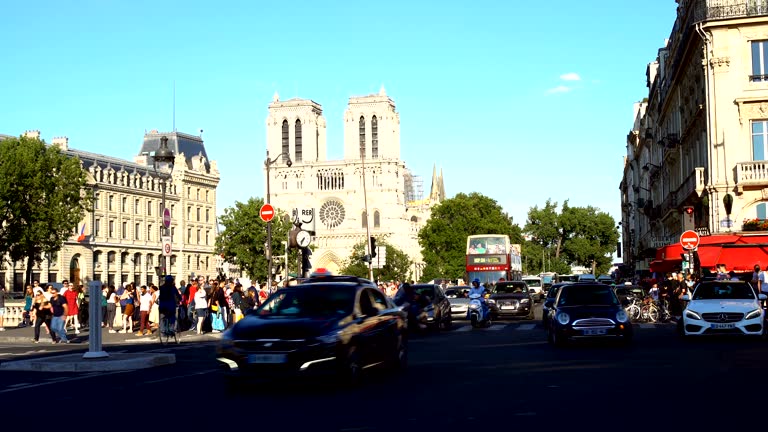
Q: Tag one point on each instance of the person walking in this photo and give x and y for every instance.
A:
(72, 309)
(41, 309)
(112, 302)
(145, 304)
(2, 308)
(128, 308)
(59, 308)
(201, 309)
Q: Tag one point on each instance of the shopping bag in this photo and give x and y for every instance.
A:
(217, 322)
(238, 316)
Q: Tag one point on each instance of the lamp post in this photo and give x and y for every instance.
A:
(367, 227)
(267, 163)
(163, 164)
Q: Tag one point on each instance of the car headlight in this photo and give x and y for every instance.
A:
(523, 301)
(330, 338)
(491, 301)
(753, 314)
(563, 318)
(621, 316)
(692, 314)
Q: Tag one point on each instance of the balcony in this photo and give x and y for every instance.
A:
(752, 173)
(710, 10)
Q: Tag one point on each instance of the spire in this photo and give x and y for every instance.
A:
(382, 92)
(434, 190)
(442, 186)
(276, 97)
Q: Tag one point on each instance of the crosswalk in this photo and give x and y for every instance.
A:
(461, 328)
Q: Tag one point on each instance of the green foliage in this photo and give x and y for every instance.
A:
(444, 237)
(43, 197)
(244, 238)
(577, 235)
(396, 268)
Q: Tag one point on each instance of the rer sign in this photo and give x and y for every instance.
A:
(689, 240)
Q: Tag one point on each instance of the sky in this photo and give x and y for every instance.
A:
(519, 101)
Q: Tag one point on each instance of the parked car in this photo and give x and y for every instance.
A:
(434, 308)
(549, 301)
(723, 308)
(511, 299)
(587, 310)
(339, 325)
(458, 298)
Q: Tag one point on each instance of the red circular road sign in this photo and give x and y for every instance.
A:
(167, 217)
(267, 212)
(689, 240)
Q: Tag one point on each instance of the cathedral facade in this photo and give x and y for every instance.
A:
(371, 175)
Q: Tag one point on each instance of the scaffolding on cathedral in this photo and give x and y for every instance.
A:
(414, 187)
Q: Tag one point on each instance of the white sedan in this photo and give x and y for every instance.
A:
(723, 308)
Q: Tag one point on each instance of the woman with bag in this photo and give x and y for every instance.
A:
(237, 302)
(218, 304)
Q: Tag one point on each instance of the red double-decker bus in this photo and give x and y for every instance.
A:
(491, 257)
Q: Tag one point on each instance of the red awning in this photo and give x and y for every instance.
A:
(737, 252)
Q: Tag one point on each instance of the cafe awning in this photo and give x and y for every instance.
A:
(738, 252)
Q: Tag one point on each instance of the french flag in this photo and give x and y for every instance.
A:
(82, 234)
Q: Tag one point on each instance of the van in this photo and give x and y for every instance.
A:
(586, 277)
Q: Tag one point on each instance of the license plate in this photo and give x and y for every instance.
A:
(594, 332)
(267, 358)
(509, 307)
(722, 326)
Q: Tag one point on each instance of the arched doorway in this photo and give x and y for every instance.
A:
(74, 270)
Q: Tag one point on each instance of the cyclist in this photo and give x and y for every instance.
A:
(168, 300)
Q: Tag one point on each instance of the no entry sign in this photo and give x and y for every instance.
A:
(267, 212)
(689, 240)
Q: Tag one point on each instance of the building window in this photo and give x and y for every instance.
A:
(759, 61)
(207, 196)
(761, 212)
(97, 227)
(207, 237)
(149, 208)
(189, 235)
(111, 229)
(374, 137)
(173, 234)
(136, 207)
(199, 210)
(125, 230)
(189, 192)
(189, 213)
(364, 218)
(297, 146)
(111, 258)
(150, 237)
(362, 136)
(124, 204)
(111, 204)
(376, 219)
(198, 237)
(198, 194)
(207, 215)
(96, 201)
(285, 143)
(759, 140)
(137, 232)
(97, 259)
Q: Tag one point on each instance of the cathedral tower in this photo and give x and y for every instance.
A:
(372, 123)
(296, 127)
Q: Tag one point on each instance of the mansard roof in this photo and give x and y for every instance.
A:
(179, 142)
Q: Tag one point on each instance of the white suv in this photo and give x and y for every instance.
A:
(723, 308)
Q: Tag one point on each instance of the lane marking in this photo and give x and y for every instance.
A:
(60, 380)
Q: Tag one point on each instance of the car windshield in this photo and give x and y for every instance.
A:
(532, 282)
(455, 293)
(317, 301)
(510, 289)
(723, 291)
(587, 295)
(424, 291)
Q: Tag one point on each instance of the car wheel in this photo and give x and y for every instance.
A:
(448, 323)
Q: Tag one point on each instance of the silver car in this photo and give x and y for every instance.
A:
(459, 299)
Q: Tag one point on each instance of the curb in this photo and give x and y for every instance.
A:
(83, 339)
(76, 363)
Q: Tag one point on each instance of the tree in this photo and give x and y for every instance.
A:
(43, 197)
(244, 238)
(577, 235)
(397, 265)
(444, 237)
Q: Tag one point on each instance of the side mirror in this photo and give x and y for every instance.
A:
(548, 304)
(762, 297)
(686, 297)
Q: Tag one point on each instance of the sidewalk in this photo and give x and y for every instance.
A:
(25, 336)
(75, 362)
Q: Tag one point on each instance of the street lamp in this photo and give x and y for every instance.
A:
(163, 164)
(267, 163)
(367, 227)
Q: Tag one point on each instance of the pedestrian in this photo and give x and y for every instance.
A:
(758, 280)
(59, 307)
(126, 301)
(201, 308)
(41, 309)
(112, 302)
(72, 309)
(26, 316)
(2, 308)
(145, 304)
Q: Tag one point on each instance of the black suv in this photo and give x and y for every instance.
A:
(327, 324)
(511, 298)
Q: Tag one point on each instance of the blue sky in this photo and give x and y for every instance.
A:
(520, 101)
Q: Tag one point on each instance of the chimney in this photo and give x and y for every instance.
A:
(61, 142)
(32, 134)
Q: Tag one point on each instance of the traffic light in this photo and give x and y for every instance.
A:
(366, 258)
(688, 210)
(373, 247)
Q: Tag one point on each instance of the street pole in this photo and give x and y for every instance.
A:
(367, 226)
(165, 234)
(163, 163)
(268, 162)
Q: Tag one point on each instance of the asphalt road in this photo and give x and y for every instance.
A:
(502, 378)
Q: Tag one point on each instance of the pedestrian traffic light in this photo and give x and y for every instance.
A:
(688, 210)
(373, 247)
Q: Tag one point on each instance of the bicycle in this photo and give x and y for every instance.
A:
(168, 328)
(633, 309)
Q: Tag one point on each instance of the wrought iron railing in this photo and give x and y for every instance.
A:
(706, 10)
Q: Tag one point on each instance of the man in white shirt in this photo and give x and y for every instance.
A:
(758, 280)
(145, 305)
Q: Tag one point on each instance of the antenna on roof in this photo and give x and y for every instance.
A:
(174, 105)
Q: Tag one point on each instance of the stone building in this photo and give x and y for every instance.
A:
(397, 208)
(697, 154)
(119, 240)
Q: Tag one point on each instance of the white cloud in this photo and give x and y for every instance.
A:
(571, 76)
(559, 89)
